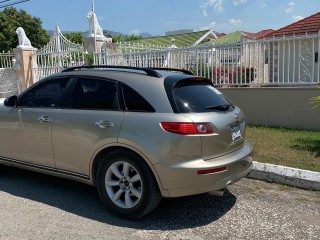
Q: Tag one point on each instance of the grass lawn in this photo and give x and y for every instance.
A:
(287, 147)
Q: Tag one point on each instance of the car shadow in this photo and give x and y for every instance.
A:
(84, 201)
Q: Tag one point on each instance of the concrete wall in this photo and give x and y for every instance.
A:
(280, 107)
(8, 82)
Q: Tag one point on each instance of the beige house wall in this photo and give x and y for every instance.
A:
(8, 83)
(280, 107)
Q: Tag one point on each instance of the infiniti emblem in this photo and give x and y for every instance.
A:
(236, 115)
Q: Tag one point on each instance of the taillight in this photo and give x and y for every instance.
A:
(187, 128)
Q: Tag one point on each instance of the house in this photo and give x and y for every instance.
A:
(231, 48)
(309, 25)
(292, 52)
(238, 37)
(231, 38)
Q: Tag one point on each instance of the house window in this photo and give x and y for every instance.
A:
(316, 57)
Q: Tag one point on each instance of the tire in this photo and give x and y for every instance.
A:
(126, 185)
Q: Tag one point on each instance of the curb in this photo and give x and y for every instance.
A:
(286, 175)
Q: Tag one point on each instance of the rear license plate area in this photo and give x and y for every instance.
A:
(236, 133)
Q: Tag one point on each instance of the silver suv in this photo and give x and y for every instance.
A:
(138, 134)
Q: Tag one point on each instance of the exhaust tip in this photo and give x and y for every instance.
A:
(219, 193)
(229, 183)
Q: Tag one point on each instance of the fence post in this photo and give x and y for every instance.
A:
(90, 46)
(24, 67)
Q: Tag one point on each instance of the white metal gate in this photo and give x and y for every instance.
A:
(56, 55)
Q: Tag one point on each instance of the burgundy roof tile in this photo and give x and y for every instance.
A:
(258, 35)
(221, 35)
(249, 34)
(308, 25)
(263, 33)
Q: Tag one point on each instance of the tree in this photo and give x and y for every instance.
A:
(75, 37)
(11, 19)
(116, 38)
(119, 38)
(132, 37)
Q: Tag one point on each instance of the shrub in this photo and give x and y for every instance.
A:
(227, 75)
(315, 100)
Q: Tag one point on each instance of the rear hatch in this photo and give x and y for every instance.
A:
(199, 101)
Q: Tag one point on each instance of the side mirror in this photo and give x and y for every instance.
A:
(11, 101)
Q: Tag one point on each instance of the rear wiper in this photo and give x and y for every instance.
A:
(224, 107)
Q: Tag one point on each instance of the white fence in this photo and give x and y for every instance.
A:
(131, 47)
(56, 55)
(285, 61)
(6, 60)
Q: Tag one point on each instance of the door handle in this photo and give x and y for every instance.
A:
(44, 119)
(104, 124)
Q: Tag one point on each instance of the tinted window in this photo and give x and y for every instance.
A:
(134, 101)
(94, 94)
(195, 96)
(46, 94)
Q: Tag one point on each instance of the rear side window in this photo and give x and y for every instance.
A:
(197, 96)
(134, 101)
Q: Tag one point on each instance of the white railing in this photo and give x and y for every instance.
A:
(132, 47)
(285, 61)
(46, 64)
(6, 60)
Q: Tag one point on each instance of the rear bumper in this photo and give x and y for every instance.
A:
(182, 179)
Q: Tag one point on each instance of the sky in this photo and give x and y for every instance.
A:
(158, 16)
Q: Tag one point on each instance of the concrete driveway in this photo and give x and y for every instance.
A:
(35, 206)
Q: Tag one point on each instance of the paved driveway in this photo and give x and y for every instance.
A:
(35, 206)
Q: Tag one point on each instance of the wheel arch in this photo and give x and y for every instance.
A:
(101, 153)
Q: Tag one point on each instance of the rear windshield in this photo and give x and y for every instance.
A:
(199, 96)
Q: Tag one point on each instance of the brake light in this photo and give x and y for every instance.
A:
(187, 128)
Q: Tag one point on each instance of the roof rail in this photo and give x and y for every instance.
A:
(148, 71)
(187, 72)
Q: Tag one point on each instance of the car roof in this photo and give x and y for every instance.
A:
(152, 88)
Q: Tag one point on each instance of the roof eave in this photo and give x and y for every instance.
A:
(210, 32)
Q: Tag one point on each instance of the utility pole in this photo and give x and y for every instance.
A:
(94, 28)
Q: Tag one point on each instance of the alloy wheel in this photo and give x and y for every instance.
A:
(123, 184)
